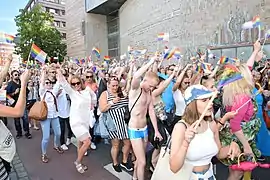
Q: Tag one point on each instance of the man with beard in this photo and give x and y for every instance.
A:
(13, 90)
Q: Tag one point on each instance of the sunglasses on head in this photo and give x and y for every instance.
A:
(76, 83)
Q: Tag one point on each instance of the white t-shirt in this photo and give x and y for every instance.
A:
(63, 105)
(180, 103)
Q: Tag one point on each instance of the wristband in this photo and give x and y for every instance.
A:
(221, 123)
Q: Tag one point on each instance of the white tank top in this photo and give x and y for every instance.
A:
(180, 104)
(202, 148)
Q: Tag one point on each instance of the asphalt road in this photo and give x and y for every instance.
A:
(61, 167)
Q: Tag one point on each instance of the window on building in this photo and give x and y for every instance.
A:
(83, 28)
(63, 24)
(47, 9)
(113, 35)
(63, 12)
(57, 23)
(64, 35)
(57, 11)
(54, 1)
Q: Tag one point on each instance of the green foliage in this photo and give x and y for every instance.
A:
(35, 27)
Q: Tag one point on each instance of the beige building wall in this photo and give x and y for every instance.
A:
(79, 45)
(75, 15)
(191, 23)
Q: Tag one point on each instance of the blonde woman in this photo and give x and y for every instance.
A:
(244, 126)
(82, 100)
(198, 146)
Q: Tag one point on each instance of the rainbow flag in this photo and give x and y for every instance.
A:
(9, 38)
(96, 51)
(107, 58)
(255, 22)
(169, 53)
(199, 68)
(76, 61)
(206, 66)
(38, 54)
(163, 37)
(223, 60)
(177, 54)
(82, 61)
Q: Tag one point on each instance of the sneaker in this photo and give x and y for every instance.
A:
(126, 166)
(93, 146)
(30, 125)
(28, 135)
(68, 142)
(18, 136)
(117, 168)
(64, 147)
(261, 159)
(86, 153)
(106, 141)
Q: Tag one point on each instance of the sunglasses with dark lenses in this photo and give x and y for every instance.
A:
(76, 83)
(48, 82)
(15, 75)
(187, 83)
(171, 69)
(88, 77)
(113, 79)
(53, 72)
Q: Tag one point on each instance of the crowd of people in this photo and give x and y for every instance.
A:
(147, 107)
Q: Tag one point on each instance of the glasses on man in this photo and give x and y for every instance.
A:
(15, 75)
(75, 83)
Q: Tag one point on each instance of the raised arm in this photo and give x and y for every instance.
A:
(164, 85)
(180, 78)
(129, 77)
(257, 48)
(19, 108)
(4, 71)
(63, 82)
(135, 83)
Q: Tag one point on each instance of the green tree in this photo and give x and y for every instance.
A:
(35, 26)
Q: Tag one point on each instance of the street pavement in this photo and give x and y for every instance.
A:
(27, 164)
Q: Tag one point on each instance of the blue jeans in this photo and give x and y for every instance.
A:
(45, 126)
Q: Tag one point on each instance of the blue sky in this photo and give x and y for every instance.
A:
(8, 10)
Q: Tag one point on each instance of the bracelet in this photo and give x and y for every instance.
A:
(221, 123)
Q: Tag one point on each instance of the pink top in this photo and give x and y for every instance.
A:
(244, 114)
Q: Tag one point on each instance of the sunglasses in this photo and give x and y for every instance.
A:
(76, 83)
(171, 69)
(15, 75)
(186, 82)
(88, 77)
(48, 82)
(53, 72)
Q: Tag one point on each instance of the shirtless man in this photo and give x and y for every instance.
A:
(137, 127)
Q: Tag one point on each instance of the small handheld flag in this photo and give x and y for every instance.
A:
(38, 54)
(96, 51)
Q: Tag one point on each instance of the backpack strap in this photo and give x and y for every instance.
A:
(135, 101)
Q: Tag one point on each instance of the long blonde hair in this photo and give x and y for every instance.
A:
(242, 86)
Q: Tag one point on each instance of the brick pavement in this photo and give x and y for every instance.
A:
(18, 171)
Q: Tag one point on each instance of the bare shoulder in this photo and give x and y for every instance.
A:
(133, 93)
(213, 126)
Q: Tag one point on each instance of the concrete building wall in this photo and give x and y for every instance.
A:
(75, 15)
(79, 45)
(96, 33)
(191, 23)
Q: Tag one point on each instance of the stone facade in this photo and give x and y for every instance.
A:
(84, 30)
(191, 23)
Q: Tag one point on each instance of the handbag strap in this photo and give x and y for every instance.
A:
(135, 101)
(54, 99)
(168, 144)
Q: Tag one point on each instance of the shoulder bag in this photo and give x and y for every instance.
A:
(39, 110)
(127, 112)
(163, 171)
